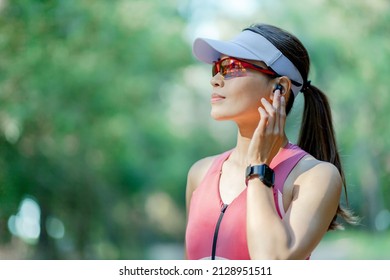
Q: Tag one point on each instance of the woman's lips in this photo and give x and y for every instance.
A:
(216, 98)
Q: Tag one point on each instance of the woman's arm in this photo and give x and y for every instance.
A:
(314, 203)
(316, 193)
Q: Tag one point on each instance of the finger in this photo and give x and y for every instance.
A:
(276, 105)
(271, 114)
(276, 101)
(261, 127)
(282, 113)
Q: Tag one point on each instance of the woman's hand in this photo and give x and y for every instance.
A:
(269, 135)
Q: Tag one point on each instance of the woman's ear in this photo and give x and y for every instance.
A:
(283, 84)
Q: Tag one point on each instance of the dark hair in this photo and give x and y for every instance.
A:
(317, 136)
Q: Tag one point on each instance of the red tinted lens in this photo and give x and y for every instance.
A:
(215, 68)
(231, 67)
(228, 67)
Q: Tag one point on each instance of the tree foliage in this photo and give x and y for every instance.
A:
(81, 120)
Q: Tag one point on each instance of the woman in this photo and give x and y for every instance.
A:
(266, 198)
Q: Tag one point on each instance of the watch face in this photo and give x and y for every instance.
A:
(269, 175)
(264, 172)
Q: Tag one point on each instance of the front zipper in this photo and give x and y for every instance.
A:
(214, 248)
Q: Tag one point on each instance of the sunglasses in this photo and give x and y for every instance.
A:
(230, 67)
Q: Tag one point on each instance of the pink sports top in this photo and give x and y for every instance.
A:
(218, 231)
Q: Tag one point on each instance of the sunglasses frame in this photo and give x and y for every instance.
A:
(217, 67)
(246, 65)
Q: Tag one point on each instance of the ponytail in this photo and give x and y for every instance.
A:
(317, 125)
(317, 137)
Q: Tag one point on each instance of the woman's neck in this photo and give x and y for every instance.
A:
(244, 137)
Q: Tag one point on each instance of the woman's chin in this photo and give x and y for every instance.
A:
(218, 117)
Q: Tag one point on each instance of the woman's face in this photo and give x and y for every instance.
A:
(238, 98)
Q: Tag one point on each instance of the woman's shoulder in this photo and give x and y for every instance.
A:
(196, 173)
(311, 169)
(200, 167)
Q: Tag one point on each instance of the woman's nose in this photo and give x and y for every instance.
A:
(217, 80)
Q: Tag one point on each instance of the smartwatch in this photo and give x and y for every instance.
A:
(263, 172)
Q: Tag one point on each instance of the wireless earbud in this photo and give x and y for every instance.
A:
(278, 87)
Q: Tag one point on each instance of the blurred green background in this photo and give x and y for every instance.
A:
(103, 109)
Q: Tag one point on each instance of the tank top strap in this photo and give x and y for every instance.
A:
(216, 165)
(283, 163)
(219, 160)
